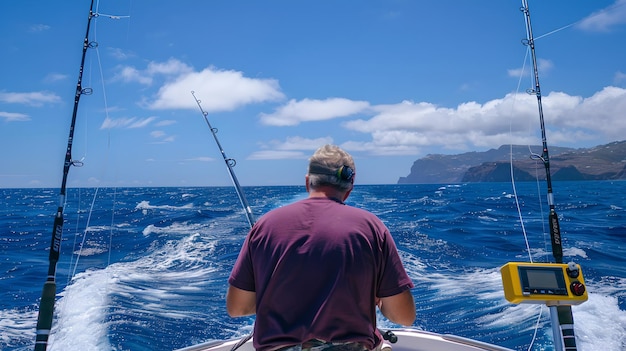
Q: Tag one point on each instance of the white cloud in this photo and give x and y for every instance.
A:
(131, 74)
(407, 127)
(127, 123)
(14, 117)
(54, 77)
(291, 148)
(300, 143)
(412, 128)
(378, 149)
(166, 122)
(120, 54)
(605, 19)
(295, 112)
(38, 28)
(162, 137)
(200, 159)
(171, 67)
(36, 98)
(218, 90)
(543, 65)
(157, 134)
(603, 112)
(110, 123)
(142, 122)
(276, 155)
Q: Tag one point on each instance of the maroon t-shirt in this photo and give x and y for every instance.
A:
(317, 266)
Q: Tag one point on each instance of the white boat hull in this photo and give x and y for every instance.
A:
(408, 340)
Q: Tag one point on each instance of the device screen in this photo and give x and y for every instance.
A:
(543, 280)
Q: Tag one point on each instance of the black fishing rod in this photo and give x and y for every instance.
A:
(46, 306)
(230, 163)
(561, 313)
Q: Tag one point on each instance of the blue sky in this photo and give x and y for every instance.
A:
(390, 81)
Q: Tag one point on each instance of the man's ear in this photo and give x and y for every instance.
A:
(345, 196)
(306, 181)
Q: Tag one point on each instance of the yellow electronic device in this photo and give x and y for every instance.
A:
(552, 284)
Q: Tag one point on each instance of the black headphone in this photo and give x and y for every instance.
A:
(344, 172)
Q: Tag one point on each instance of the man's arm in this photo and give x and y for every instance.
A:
(398, 308)
(241, 302)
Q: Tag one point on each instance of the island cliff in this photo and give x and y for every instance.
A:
(603, 162)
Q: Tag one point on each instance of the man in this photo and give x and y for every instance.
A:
(315, 270)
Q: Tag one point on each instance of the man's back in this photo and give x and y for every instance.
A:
(317, 267)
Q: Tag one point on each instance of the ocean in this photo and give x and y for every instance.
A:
(147, 268)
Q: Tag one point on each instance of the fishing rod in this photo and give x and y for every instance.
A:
(46, 306)
(230, 163)
(561, 316)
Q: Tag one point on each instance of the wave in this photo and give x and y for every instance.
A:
(145, 205)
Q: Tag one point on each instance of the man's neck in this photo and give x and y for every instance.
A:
(330, 193)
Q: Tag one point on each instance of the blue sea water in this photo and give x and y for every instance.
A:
(146, 268)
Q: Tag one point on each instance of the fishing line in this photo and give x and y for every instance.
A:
(536, 329)
(515, 196)
(601, 12)
(539, 314)
(531, 152)
(111, 225)
(95, 46)
(76, 230)
(85, 231)
(534, 155)
(87, 91)
(115, 17)
(542, 213)
(511, 168)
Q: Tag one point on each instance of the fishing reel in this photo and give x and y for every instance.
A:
(389, 336)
